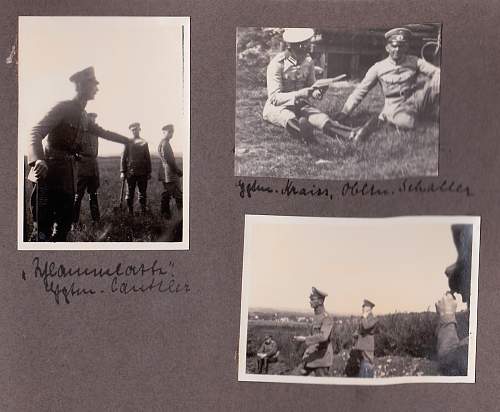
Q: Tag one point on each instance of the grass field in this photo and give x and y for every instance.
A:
(117, 225)
(265, 150)
(405, 344)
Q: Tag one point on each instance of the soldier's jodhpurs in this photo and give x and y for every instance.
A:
(142, 184)
(52, 211)
(170, 190)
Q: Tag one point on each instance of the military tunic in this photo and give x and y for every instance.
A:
(409, 87)
(63, 128)
(319, 351)
(136, 166)
(285, 76)
(169, 174)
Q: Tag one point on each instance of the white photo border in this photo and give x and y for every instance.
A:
(184, 22)
(251, 220)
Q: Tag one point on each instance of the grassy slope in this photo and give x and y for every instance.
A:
(264, 150)
(118, 226)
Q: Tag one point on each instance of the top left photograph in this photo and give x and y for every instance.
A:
(103, 133)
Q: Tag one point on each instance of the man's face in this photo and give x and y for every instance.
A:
(366, 309)
(88, 89)
(315, 301)
(136, 131)
(167, 133)
(268, 339)
(300, 50)
(397, 50)
(459, 273)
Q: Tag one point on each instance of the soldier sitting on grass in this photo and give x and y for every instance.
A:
(290, 75)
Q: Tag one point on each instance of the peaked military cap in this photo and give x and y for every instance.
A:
(297, 34)
(168, 127)
(399, 35)
(366, 302)
(87, 74)
(134, 126)
(318, 293)
(92, 115)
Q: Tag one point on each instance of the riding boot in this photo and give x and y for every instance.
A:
(333, 128)
(300, 129)
(94, 207)
(76, 208)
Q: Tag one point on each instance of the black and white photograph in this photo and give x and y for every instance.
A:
(364, 301)
(338, 103)
(103, 133)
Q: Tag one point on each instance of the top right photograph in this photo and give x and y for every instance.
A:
(338, 103)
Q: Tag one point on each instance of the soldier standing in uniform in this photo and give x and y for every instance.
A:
(136, 168)
(290, 75)
(318, 356)
(410, 84)
(169, 173)
(53, 167)
(88, 174)
(366, 340)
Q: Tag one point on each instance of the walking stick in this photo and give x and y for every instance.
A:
(121, 193)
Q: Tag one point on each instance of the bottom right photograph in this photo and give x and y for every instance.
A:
(368, 301)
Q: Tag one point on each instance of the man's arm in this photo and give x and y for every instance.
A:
(108, 135)
(272, 350)
(323, 335)
(427, 68)
(148, 160)
(168, 156)
(367, 325)
(42, 129)
(362, 89)
(124, 160)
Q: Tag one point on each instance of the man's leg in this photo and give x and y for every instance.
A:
(426, 98)
(165, 200)
(330, 127)
(131, 183)
(92, 186)
(284, 116)
(80, 192)
(42, 213)
(322, 371)
(259, 365)
(142, 184)
(63, 215)
(266, 365)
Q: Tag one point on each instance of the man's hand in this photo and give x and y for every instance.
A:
(122, 175)
(299, 338)
(447, 305)
(304, 93)
(40, 169)
(317, 94)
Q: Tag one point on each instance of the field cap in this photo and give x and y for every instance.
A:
(366, 302)
(168, 127)
(297, 34)
(135, 125)
(84, 75)
(399, 35)
(267, 337)
(92, 115)
(318, 293)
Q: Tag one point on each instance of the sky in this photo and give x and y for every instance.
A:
(138, 62)
(397, 264)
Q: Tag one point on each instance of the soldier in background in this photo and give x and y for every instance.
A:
(88, 174)
(169, 173)
(136, 168)
(318, 356)
(53, 166)
(368, 326)
(410, 84)
(290, 75)
(267, 353)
